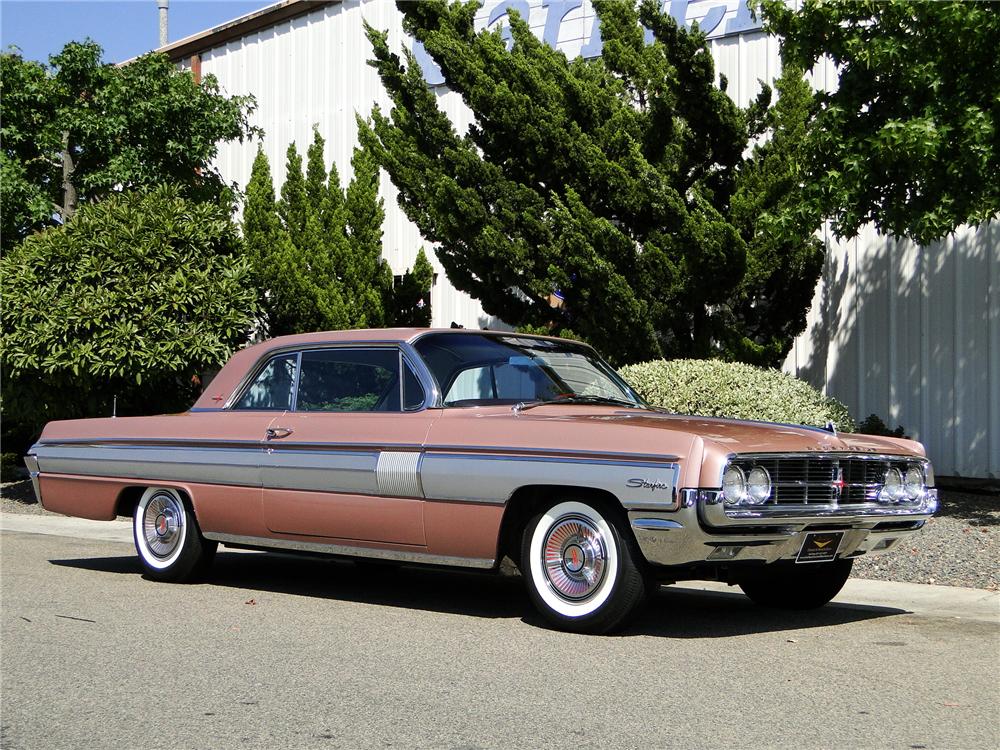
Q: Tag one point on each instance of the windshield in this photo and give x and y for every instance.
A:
(482, 370)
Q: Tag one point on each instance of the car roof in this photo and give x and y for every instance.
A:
(377, 335)
(238, 366)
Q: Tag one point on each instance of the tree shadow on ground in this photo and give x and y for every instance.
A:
(976, 509)
(670, 613)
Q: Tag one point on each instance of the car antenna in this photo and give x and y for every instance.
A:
(114, 407)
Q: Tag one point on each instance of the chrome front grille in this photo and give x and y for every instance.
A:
(823, 480)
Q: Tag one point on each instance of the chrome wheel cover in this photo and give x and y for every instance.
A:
(574, 557)
(163, 525)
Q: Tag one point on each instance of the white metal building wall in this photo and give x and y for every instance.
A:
(911, 334)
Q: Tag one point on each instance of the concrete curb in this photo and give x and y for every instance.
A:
(915, 598)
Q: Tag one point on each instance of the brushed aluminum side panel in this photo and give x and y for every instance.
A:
(327, 471)
(493, 479)
(239, 466)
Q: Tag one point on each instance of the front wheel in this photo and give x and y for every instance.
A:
(581, 567)
(798, 586)
(167, 538)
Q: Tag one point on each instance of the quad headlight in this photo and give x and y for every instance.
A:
(906, 484)
(758, 485)
(892, 489)
(734, 486)
(740, 488)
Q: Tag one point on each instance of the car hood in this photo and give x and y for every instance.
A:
(741, 436)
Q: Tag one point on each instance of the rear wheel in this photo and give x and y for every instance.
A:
(581, 567)
(167, 537)
(798, 586)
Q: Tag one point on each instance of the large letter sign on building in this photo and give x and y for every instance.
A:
(572, 26)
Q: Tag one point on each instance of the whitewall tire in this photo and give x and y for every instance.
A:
(167, 537)
(581, 566)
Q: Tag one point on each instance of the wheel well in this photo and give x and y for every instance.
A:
(529, 500)
(129, 498)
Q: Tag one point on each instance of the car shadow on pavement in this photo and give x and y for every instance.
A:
(670, 613)
(686, 613)
(446, 590)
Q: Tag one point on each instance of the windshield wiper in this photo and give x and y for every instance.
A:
(575, 399)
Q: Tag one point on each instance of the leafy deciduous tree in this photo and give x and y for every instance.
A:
(77, 130)
(910, 137)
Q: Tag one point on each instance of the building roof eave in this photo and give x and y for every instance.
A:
(217, 36)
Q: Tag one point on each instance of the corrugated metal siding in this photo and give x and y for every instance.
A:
(911, 334)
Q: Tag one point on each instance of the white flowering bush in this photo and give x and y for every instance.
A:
(713, 388)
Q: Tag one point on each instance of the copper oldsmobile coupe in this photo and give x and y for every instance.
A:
(460, 448)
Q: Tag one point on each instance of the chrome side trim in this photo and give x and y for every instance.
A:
(398, 473)
(151, 442)
(656, 524)
(414, 556)
(474, 476)
(32, 463)
(660, 459)
(473, 450)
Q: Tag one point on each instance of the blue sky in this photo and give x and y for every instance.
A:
(124, 28)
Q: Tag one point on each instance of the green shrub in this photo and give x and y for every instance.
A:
(132, 298)
(9, 464)
(731, 389)
(873, 425)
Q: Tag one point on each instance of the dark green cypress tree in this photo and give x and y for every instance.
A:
(293, 208)
(294, 271)
(768, 307)
(315, 185)
(368, 276)
(610, 181)
(261, 225)
(412, 296)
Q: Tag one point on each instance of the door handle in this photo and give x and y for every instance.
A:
(274, 433)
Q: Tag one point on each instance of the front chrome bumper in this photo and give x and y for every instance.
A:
(701, 531)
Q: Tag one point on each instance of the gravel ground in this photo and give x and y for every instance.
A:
(960, 546)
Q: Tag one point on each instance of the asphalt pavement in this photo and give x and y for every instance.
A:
(277, 652)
